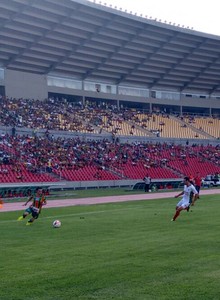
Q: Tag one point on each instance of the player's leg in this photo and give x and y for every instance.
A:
(176, 215)
(34, 217)
(147, 188)
(29, 222)
(179, 204)
(179, 208)
(25, 214)
(198, 190)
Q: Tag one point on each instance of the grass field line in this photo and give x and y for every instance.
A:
(79, 214)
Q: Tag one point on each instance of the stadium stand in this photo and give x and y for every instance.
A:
(207, 125)
(32, 159)
(93, 94)
(55, 114)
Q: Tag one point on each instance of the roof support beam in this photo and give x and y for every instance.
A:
(148, 56)
(78, 47)
(215, 88)
(199, 74)
(181, 60)
(18, 13)
(117, 49)
(53, 27)
(73, 38)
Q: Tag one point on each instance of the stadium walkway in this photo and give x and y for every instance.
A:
(98, 200)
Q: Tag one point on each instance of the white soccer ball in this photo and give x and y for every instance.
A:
(56, 224)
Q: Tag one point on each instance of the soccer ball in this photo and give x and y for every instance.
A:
(56, 224)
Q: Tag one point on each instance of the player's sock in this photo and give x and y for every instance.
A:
(176, 215)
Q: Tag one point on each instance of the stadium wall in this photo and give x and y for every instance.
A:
(88, 184)
(34, 86)
(25, 85)
(121, 138)
(183, 102)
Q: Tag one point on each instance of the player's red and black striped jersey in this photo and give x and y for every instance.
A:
(38, 202)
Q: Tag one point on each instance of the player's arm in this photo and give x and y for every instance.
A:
(180, 194)
(195, 195)
(28, 200)
(44, 202)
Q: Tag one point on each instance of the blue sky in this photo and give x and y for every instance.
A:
(202, 15)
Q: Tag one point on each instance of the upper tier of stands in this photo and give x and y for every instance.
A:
(208, 125)
(53, 114)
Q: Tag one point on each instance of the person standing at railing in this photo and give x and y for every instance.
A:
(198, 182)
(147, 181)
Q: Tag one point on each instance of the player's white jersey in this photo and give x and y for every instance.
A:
(187, 191)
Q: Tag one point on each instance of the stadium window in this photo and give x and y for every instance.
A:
(2, 91)
(2, 74)
(108, 89)
(153, 94)
(64, 82)
(202, 96)
(188, 95)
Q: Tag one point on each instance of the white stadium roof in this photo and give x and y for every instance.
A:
(89, 41)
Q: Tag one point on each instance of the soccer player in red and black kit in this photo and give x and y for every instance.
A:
(35, 208)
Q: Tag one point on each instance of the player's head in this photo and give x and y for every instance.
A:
(186, 179)
(39, 191)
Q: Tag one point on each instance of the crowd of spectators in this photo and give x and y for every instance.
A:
(91, 117)
(50, 114)
(48, 154)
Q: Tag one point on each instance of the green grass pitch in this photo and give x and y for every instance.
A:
(126, 251)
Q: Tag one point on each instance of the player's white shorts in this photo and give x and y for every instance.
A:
(182, 204)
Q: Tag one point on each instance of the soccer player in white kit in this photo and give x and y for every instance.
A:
(185, 201)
